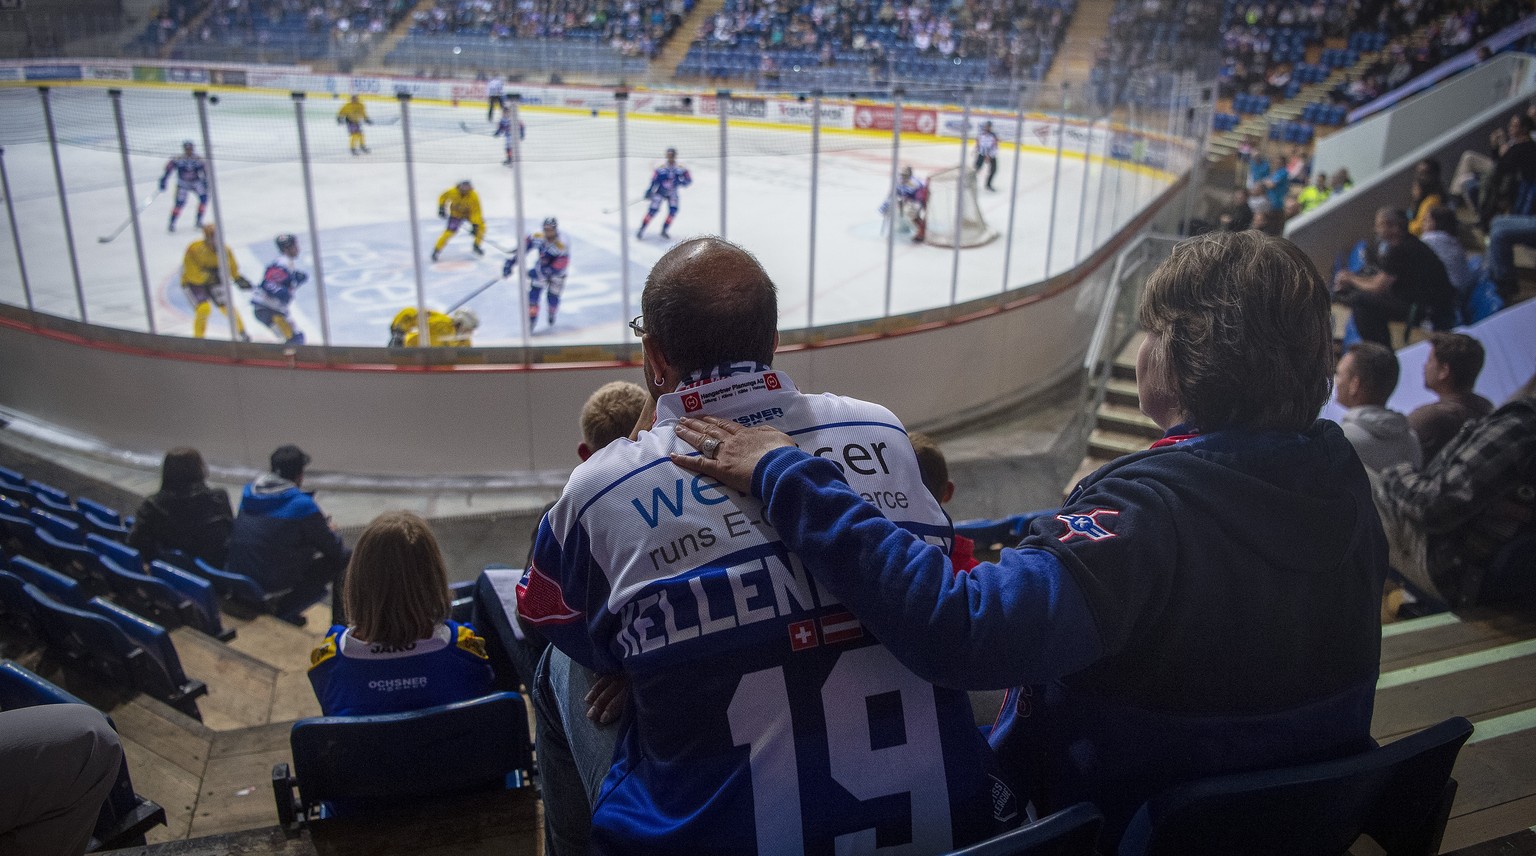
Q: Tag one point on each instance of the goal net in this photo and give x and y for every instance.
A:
(953, 216)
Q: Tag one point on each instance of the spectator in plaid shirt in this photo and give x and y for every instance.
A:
(1447, 521)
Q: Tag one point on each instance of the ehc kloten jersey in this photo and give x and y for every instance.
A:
(765, 718)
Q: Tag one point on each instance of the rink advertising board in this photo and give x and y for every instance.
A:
(741, 108)
(833, 114)
(878, 117)
(54, 72)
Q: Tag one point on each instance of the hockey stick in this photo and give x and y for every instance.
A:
(469, 130)
(498, 247)
(107, 239)
(472, 295)
(388, 120)
(616, 208)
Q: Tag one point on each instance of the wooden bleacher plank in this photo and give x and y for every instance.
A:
(1521, 843)
(169, 733)
(293, 698)
(1433, 637)
(170, 785)
(278, 643)
(236, 791)
(1474, 693)
(1493, 823)
(239, 685)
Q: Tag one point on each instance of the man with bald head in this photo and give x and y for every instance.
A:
(762, 717)
(1409, 275)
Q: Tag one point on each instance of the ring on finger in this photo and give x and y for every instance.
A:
(710, 447)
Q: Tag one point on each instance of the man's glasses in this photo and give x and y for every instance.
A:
(635, 325)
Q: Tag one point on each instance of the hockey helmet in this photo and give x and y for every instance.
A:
(551, 224)
(906, 172)
(210, 232)
(671, 153)
(464, 185)
(188, 146)
(465, 320)
(286, 242)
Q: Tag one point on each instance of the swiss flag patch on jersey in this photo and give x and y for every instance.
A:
(540, 600)
(691, 402)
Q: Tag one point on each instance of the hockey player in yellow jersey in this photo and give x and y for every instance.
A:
(458, 204)
(200, 282)
(442, 330)
(353, 114)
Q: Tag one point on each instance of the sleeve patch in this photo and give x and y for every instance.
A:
(468, 641)
(1088, 525)
(540, 600)
(325, 652)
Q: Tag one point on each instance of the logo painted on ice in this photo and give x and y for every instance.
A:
(1086, 525)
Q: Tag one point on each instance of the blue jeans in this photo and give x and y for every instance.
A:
(574, 752)
(1503, 234)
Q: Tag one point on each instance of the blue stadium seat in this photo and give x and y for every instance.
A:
(49, 581)
(60, 527)
(102, 520)
(91, 506)
(150, 597)
(1399, 794)
(238, 588)
(349, 764)
(91, 641)
(125, 816)
(165, 680)
(19, 534)
(12, 481)
(19, 611)
(53, 500)
(122, 553)
(200, 593)
(1073, 831)
(74, 561)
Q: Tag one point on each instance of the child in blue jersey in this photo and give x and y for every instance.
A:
(402, 652)
(1207, 606)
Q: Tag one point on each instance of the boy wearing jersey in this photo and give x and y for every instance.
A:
(191, 178)
(764, 719)
(353, 114)
(665, 182)
(274, 295)
(458, 204)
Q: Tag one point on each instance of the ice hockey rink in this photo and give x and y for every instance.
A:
(570, 169)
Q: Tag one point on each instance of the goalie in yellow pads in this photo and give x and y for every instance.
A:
(443, 330)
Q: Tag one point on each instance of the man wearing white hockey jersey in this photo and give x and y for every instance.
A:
(551, 254)
(665, 182)
(274, 294)
(763, 718)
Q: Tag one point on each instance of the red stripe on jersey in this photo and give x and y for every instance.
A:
(540, 600)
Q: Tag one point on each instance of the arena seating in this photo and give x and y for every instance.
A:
(929, 44)
(350, 764)
(274, 31)
(125, 816)
(1399, 794)
(244, 592)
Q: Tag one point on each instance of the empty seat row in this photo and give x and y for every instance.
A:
(1323, 113)
(1291, 132)
(1244, 104)
(95, 635)
(164, 594)
(88, 513)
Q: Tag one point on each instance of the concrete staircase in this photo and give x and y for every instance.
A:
(1119, 426)
(397, 33)
(664, 66)
(1074, 59)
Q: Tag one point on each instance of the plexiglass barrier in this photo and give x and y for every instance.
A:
(103, 218)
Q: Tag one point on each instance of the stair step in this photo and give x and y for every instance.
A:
(1089, 464)
(1122, 391)
(1127, 420)
(1113, 444)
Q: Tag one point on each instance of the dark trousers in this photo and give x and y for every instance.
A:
(1373, 311)
(991, 162)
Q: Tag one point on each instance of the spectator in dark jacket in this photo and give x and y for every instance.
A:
(283, 541)
(186, 514)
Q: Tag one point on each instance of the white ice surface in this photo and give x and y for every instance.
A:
(571, 171)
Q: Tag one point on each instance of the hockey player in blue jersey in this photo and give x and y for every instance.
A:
(666, 181)
(764, 719)
(504, 129)
(551, 252)
(191, 178)
(275, 292)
